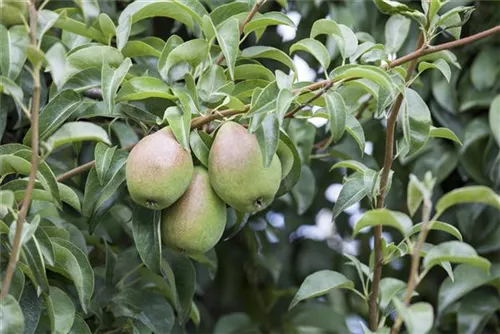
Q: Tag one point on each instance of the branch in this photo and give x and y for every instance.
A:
(415, 260)
(389, 154)
(21, 217)
(247, 19)
(201, 120)
(311, 99)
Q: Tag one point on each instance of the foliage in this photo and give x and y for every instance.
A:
(115, 71)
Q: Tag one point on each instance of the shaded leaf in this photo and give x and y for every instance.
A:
(384, 217)
(146, 232)
(455, 252)
(352, 192)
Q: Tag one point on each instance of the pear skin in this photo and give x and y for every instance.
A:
(196, 222)
(158, 170)
(237, 171)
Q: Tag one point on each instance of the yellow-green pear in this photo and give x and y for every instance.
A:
(286, 158)
(13, 11)
(158, 170)
(195, 223)
(237, 171)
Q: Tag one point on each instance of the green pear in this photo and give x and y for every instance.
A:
(237, 171)
(286, 158)
(13, 11)
(158, 170)
(195, 223)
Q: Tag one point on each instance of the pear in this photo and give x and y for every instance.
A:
(237, 171)
(286, 158)
(195, 223)
(158, 170)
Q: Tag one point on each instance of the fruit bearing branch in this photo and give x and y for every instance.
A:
(21, 216)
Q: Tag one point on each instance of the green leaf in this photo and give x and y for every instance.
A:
(446, 55)
(13, 48)
(61, 310)
(17, 283)
(211, 80)
(31, 255)
(31, 307)
(73, 263)
(111, 80)
(440, 65)
(438, 226)
(103, 156)
(180, 123)
(394, 7)
(123, 32)
(455, 252)
(69, 196)
(352, 192)
(484, 69)
(265, 103)
(416, 121)
(444, 133)
(223, 11)
(470, 194)
(346, 40)
(71, 25)
(418, 317)
(415, 194)
(283, 103)
(45, 246)
(93, 56)
(53, 115)
(384, 217)
(90, 10)
(291, 179)
(390, 288)
(199, 147)
(318, 317)
(149, 46)
(77, 132)
(320, 283)
(107, 26)
(234, 323)
(147, 239)
(79, 326)
(9, 87)
(350, 164)
(58, 63)
(303, 192)
(83, 80)
(27, 232)
(268, 53)
(11, 316)
(268, 138)
(494, 118)
(182, 59)
(141, 88)
(315, 48)
(373, 73)
(228, 36)
(475, 310)
(267, 19)
(337, 113)
(396, 31)
(45, 21)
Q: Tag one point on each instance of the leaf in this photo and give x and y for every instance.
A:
(211, 80)
(103, 156)
(73, 263)
(416, 121)
(182, 59)
(17, 284)
(55, 113)
(438, 226)
(268, 53)
(79, 326)
(45, 21)
(440, 65)
(69, 196)
(58, 63)
(345, 39)
(455, 252)
(234, 323)
(149, 46)
(268, 19)
(336, 108)
(315, 48)
(31, 307)
(470, 194)
(141, 88)
(32, 256)
(350, 164)
(185, 281)
(390, 288)
(373, 73)
(61, 310)
(268, 138)
(475, 310)
(77, 132)
(180, 123)
(123, 32)
(90, 11)
(418, 318)
(283, 103)
(45, 246)
(83, 80)
(394, 7)
(303, 192)
(228, 36)
(107, 26)
(147, 239)
(93, 56)
(9, 87)
(396, 31)
(320, 283)
(318, 316)
(71, 25)
(13, 47)
(484, 69)
(384, 217)
(444, 133)
(352, 192)
(265, 103)
(199, 147)
(111, 80)
(11, 315)
(27, 232)
(494, 118)
(236, 225)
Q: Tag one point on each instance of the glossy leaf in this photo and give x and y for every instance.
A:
(350, 164)
(141, 88)
(149, 46)
(304, 190)
(418, 317)
(228, 36)
(77, 132)
(268, 53)
(336, 108)
(395, 7)
(396, 31)
(416, 121)
(455, 252)
(93, 57)
(13, 47)
(111, 80)
(352, 192)
(291, 179)
(440, 65)
(268, 138)
(11, 315)
(343, 36)
(146, 232)
(470, 194)
(315, 48)
(390, 288)
(320, 283)
(61, 310)
(494, 118)
(179, 121)
(438, 226)
(384, 217)
(182, 59)
(266, 20)
(444, 133)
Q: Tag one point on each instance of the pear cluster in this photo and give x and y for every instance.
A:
(161, 176)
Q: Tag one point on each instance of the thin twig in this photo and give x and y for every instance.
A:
(389, 155)
(21, 217)
(311, 99)
(415, 260)
(247, 19)
(201, 120)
